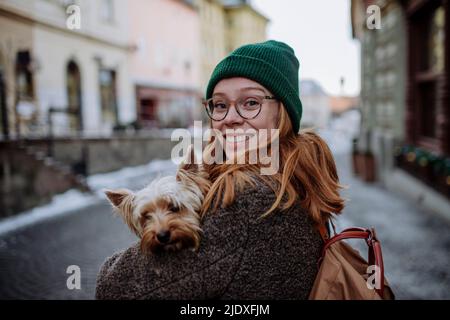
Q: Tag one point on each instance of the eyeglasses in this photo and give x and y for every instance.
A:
(247, 107)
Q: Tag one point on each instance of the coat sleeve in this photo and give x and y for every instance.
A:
(185, 274)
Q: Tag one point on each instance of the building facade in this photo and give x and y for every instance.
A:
(75, 81)
(405, 95)
(165, 65)
(226, 25)
(131, 63)
(212, 33)
(383, 72)
(244, 24)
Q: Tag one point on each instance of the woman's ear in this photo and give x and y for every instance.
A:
(278, 123)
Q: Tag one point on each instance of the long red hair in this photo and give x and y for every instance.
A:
(306, 170)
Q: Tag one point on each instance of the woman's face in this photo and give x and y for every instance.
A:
(233, 89)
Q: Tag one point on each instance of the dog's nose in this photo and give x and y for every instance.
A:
(163, 236)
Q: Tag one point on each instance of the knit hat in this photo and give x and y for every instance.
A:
(272, 64)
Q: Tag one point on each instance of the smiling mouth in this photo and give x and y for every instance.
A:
(236, 138)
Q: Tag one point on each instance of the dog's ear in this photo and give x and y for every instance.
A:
(117, 197)
(190, 162)
(122, 201)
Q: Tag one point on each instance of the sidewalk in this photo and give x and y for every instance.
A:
(415, 243)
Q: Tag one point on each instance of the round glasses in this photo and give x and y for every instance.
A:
(247, 107)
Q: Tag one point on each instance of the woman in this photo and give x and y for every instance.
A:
(261, 238)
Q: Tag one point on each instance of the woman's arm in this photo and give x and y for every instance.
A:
(185, 274)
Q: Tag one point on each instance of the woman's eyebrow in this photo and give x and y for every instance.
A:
(241, 89)
(252, 88)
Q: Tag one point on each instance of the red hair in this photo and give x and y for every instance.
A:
(307, 171)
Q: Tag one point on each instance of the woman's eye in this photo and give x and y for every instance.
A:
(251, 103)
(220, 106)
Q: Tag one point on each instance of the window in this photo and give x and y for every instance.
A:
(107, 79)
(107, 11)
(74, 96)
(24, 77)
(427, 63)
(4, 125)
(436, 41)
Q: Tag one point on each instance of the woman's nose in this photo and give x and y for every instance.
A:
(232, 116)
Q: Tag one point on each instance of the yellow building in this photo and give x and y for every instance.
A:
(226, 25)
(243, 24)
(212, 29)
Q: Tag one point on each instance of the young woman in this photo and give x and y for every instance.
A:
(261, 238)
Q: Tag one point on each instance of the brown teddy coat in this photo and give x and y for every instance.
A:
(240, 257)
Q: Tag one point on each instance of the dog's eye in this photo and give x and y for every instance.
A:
(147, 215)
(174, 208)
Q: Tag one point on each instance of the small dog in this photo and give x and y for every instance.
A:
(165, 214)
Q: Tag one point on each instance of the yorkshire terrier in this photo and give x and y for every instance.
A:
(165, 215)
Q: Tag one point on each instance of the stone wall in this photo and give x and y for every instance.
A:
(27, 181)
(105, 155)
(29, 178)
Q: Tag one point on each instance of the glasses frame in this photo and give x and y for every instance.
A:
(233, 102)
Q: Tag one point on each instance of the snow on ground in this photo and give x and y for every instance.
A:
(129, 177)
(72, 200)
(61, 204)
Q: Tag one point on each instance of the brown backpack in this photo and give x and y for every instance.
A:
(344, 274)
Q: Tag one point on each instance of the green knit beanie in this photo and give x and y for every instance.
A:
(272, 64)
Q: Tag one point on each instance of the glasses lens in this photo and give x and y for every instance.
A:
(249, 107)
(217, 108)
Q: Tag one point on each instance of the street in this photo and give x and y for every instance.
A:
(34, 260)
(415, 243)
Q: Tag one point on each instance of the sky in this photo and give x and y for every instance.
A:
(319, 31)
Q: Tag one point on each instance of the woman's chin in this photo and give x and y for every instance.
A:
(234, 149)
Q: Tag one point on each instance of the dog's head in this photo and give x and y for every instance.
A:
(165, 213)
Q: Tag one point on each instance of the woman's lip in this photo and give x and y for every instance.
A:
(237, 138)
(238, 135)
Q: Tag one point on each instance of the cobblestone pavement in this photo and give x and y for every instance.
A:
(416, 246)
(34, 260)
